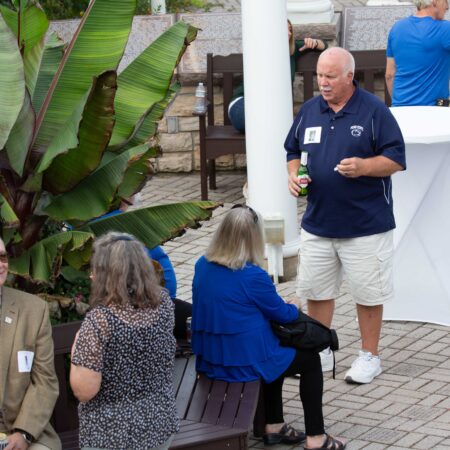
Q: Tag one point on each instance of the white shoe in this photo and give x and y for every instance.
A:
(364, 368)
(327, 360)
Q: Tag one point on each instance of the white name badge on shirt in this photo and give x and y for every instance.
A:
(25, 360)
(312, 135)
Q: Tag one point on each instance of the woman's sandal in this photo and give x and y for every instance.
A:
(330, 443)
(287, 435)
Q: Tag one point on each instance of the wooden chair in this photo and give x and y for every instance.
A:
(217, 140)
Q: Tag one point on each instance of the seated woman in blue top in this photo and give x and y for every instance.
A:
(234, 300)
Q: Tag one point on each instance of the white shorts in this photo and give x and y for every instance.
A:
(366, 262)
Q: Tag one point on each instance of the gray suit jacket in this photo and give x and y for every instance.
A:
(27, 399)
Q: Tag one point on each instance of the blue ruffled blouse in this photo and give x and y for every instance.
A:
(231, 333)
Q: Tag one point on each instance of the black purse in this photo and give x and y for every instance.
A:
(306, 333)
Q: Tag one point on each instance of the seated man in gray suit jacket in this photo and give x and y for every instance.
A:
(28, 383)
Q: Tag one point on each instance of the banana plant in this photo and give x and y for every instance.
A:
(76, 137)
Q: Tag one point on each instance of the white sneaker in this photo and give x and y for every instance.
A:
(327, 360)
(364, 368)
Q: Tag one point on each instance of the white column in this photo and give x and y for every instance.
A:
(158, 6)
(310, 11)
(268, 114)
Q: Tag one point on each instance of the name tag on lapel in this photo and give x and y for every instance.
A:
(25, 360)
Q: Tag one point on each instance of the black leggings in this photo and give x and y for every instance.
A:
(183, 310)
(307, 364)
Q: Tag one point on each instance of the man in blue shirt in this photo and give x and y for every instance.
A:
(418, 56)
(354, 145)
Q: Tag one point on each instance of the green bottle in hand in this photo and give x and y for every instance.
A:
(303, 175)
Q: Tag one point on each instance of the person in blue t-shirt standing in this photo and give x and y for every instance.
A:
(418, 56)
(354, 145)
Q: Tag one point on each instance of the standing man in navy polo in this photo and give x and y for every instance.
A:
(354, 144)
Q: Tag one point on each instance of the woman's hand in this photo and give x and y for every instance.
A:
(312, 44)
(294, 301)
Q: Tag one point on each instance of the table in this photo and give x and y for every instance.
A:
(422, 213)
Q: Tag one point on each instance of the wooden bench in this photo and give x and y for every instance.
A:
(214, 414)
(218, 140)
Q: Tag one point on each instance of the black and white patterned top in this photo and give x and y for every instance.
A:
(134, 350)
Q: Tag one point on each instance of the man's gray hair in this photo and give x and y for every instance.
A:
(421, 4)
(348, 62)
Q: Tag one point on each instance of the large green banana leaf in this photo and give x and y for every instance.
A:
(46, 65)
(7, 215)
(41, 262)
(156, 224)
(137, 174)
(92, 135)
(19, 139)
(12, 83)
(93, 196)
(146, 80)
(33, 25)
(148, 125)
(97, 46)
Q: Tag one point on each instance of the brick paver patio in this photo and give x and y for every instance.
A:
(406, 407)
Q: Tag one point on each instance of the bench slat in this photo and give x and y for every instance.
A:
(231, 405)
(183, 394)
(199, 399)
(215, 402)
(247, 405)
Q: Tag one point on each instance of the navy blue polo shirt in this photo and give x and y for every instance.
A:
(340, 207)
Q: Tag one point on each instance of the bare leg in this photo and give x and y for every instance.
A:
(370, 319)
(321, 310)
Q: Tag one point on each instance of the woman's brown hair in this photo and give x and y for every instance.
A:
(291, 39)
(123, 273)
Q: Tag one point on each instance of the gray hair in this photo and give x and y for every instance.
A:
(347, 58)
(123, 272)
(421, 4)
(238, 240)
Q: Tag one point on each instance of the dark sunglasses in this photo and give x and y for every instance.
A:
(4, 257)
(254, 215)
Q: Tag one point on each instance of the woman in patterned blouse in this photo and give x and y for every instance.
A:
(123, 356)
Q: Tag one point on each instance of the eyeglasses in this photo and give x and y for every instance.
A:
(252, 211)
(4, 257)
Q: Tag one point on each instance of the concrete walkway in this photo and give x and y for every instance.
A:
(406, 407)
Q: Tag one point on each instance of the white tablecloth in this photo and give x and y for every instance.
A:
(422, 213)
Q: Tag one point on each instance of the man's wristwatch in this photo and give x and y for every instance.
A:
(27, 436)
